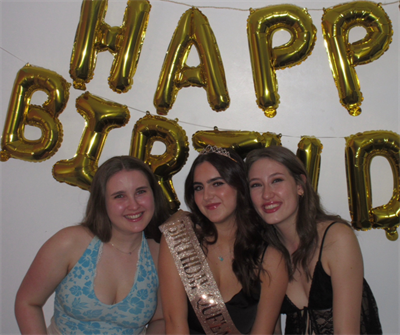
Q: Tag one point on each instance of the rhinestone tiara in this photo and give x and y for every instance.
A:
(217, 150)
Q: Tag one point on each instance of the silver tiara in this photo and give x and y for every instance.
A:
(217, 150)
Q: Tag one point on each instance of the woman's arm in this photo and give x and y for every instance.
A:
(48, 269)
(273, 288)
(157, 323)
(173, 295)
(278, 326)
(343, 258)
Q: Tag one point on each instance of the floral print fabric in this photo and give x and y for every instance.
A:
(78, 311)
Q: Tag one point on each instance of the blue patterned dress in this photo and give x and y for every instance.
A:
(78, 311)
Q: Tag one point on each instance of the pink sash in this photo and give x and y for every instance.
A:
(196, 275)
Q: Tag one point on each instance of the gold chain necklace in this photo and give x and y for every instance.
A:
(124, 252)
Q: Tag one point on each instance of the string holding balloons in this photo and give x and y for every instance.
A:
(94, 35)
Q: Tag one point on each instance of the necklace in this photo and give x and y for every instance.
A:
(124, 252)
(220, 257)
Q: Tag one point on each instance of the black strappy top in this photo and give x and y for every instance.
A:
(241, 308)
(317, 317)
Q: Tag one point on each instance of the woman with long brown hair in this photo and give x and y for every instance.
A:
(326, 293)
(103, 271)
(217, 274)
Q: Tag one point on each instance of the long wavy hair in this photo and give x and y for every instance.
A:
(96, 218)
(310, 211)
(249, 244)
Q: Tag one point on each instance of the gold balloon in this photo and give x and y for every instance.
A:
(343, 56)
(261, 25)
(360, 149)
(150, 129)
(101, 117)
(309, 152)
(93, 35)
(241, 141)
(21, 113)
(193, 29)
(271, 139)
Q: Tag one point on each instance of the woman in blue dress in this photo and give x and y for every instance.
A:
(103, 271)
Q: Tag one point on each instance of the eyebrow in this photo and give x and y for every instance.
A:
(138, 189)
(214, 179)
(118, 192)
(208, 181)
(271, 176)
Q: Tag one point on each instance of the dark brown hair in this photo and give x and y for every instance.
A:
(97, 219)
(249, 244)
(310, 211)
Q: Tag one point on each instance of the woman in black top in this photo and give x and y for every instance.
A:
(250, 275)
(326, 293)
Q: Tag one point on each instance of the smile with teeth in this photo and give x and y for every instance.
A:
(271, 206)
(212, 206)
(134, 216)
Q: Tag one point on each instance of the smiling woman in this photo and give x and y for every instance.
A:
(326, 293)
(92, 267)
(242, 280)
(129, 203)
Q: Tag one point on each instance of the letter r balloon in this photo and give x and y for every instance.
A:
(150, 129)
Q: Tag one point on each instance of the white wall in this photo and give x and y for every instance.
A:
(34, 205)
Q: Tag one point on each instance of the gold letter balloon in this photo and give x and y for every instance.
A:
(93, 35)
(150, 129)
(21, 113)
(261, 25)
(360, 150)
(309, 152)
(101, 117)
(344, 56)
(193, 29)
(240, 141)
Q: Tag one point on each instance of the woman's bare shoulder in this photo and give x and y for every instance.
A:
(70, 239)
(337, 230)
(65, 247)
(73, 234)
(339, 239)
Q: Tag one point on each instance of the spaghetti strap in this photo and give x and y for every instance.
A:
(323, 240)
